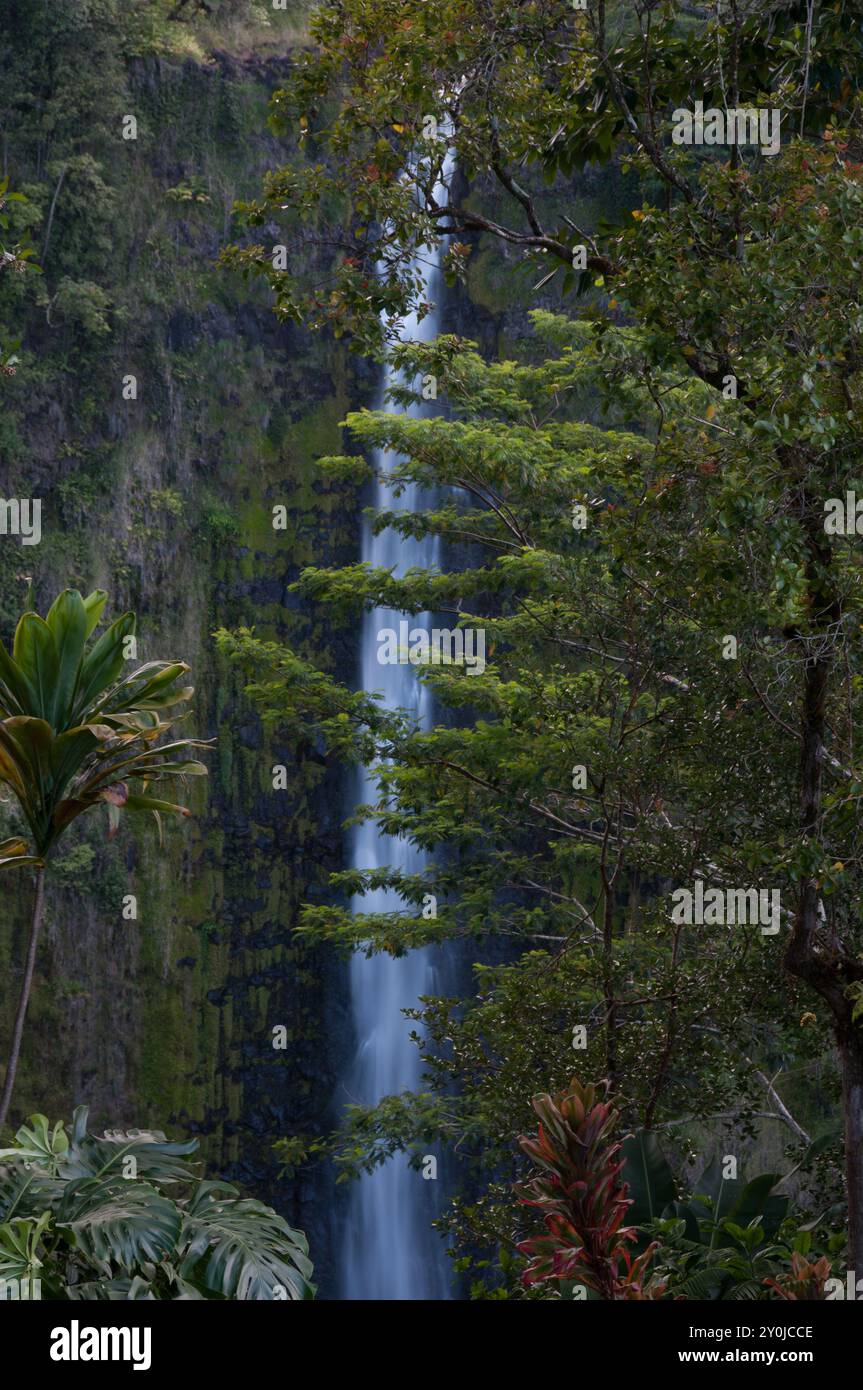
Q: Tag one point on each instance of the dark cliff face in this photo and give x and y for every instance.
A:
(166, 501)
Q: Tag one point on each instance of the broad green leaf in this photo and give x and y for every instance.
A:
(650, 1179)
(16, 693)
(102, 667)
(67, 619)
(155, 1158)
(35, 653)
(150, 803)
(94, 606)
(121, 1221)
(242, 1249)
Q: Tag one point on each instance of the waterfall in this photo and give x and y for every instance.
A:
(388, 1250)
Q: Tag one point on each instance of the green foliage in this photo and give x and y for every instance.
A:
(75, 732)
(81, 304)
(15, 258)
(124, 1216)
(604, 654)
(523, 96)
(730, 1240)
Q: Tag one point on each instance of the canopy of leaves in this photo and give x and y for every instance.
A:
(607, 753)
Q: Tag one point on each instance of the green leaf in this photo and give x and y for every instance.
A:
(38, 1143)
(651, 1181)
(35, 653)
(22, 861)
(94, 606)
(68, 620)
(155, 1158)
(16, 694)
(102, 668)
(242, 1249)
(756, 1201)
(19, 1242)
(119, 1221)
(150, 803)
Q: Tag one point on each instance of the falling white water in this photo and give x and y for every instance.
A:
(388, 1248)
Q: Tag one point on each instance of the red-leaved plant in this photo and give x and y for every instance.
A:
(805, 1281)
(582, 1199)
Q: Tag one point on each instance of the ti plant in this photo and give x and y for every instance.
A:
(583, 1200)
(805, 1281)
(78, 731)
(125, 1216)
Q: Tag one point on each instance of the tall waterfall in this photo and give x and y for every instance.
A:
(388, 1249)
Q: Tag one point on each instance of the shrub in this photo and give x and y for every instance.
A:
(583, 1200)
(124, 1216)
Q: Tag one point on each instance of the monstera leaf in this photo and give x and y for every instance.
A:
(19, 1242)
(121, 1237)
(123, 1290)
(39, 1144)
(120, 1222)
(153, 1156)
(241, 1249)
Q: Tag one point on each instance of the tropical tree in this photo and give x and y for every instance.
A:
(77, 732)
(606, 754)
(124, 1215)
(743, 273)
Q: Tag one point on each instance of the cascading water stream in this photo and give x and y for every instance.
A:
(388, 1249)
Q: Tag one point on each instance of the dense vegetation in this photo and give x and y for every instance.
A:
(687, 654)
(644, 423)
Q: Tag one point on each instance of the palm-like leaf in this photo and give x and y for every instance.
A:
(13, 854)
(75, 732)
(73, 727)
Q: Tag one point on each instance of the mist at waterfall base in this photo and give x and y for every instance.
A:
(388, 1249)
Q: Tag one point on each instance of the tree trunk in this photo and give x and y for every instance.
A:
(18, 1031)
(814, 954)
(851, 1054)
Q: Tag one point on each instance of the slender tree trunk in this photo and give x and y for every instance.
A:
(18, 1031)
(851, 1054)
(814, 954)
(608, 982)
(51, 214)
